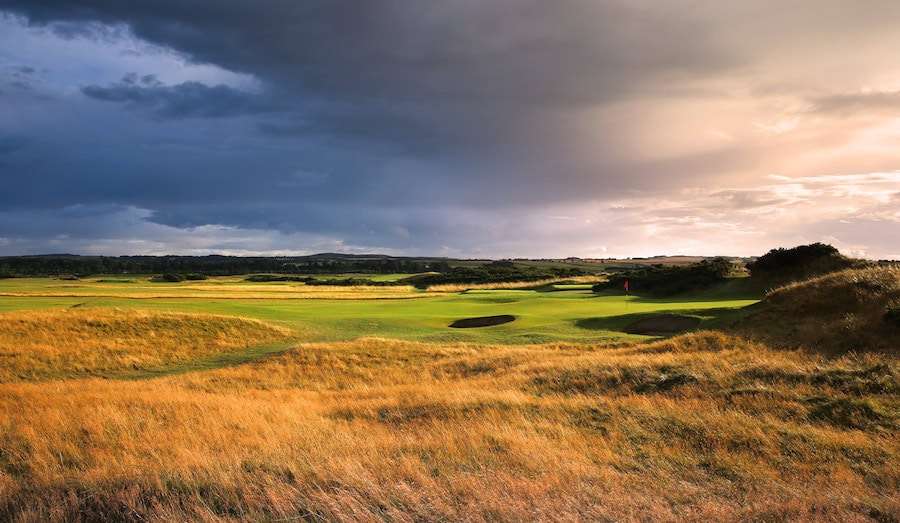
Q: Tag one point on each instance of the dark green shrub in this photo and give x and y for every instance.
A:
(799, 262)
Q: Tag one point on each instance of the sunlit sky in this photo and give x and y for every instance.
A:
(500, 129)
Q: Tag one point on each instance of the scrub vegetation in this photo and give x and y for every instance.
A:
(786, 410)
(661, 280)
(800, 262)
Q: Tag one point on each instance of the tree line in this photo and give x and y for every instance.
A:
(213, 265)
(659, 280)
(496, 272)
(776, 266)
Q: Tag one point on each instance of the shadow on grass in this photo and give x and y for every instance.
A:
(227, 359)
(709, 319)
(730, 290)
(563, 287)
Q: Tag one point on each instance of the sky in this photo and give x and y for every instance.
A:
(464, 128)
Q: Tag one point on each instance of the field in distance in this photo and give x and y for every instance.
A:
(544, 314)
(225, 400)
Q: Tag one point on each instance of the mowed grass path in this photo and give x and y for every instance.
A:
(545, 315)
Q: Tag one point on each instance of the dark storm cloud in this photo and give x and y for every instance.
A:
(447, 78)
(466, 103)
(185, 100)
(510, 50)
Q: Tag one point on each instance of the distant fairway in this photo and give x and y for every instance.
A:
(568, 313)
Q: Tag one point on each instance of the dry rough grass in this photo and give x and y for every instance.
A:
(700, 427)
(846, 311)
(41, 345)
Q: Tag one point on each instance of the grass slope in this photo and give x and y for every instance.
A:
(53, 344)
(835, 313)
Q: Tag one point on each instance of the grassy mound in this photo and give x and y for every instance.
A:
(62, 343)
(850, 310)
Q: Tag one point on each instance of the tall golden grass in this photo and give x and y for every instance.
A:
(835, 313)
(48, 344)
(701, 427)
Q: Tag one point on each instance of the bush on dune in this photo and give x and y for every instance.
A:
(800, 262)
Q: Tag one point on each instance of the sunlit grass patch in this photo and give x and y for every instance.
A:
(48, 344)
(221, 288)
(380, 429)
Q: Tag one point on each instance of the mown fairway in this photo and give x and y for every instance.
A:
(546, 315)
(227, 401)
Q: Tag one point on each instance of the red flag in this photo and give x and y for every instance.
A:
(626, 285)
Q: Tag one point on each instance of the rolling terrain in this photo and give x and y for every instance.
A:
(278, 402)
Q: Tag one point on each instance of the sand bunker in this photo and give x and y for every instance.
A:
(484, 321)
(663, 325)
